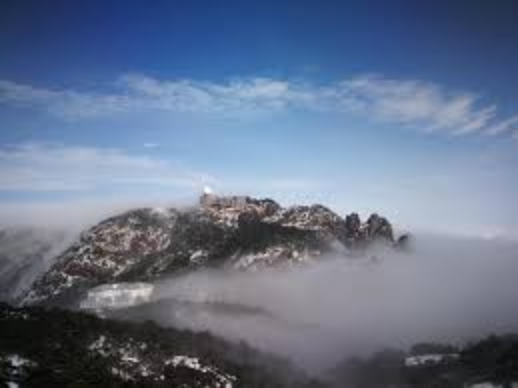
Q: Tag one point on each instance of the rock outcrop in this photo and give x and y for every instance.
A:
(234, 232)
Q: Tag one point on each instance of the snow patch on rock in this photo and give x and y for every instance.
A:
(117, 295)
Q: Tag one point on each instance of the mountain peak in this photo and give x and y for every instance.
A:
(238, 232)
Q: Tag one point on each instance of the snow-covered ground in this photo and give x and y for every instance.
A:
(16, 368)
(429, 359)
(117, 295)
(131, 360)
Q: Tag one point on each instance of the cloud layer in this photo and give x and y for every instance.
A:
(40, 169)
(54, 167)
(319, 313)
(415, 104)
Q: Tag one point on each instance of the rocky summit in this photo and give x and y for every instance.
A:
(235, 232)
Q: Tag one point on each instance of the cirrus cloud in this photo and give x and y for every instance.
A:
(40, 167)
(420, 105)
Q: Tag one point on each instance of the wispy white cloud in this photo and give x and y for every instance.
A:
(68, 104)
(422, 105)
(151, 145)
(46, 167)
(415, 104)
(506, 126)
(50, 167)
(236, 97)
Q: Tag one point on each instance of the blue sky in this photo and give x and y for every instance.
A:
(397, 107)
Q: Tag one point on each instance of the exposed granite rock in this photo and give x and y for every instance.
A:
(237, 232)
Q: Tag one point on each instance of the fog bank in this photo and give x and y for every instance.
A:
(445, 290)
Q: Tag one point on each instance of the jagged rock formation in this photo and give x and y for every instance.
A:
(237, 232)
(55, 348)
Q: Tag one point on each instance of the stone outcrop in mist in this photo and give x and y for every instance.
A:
(235, 232)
